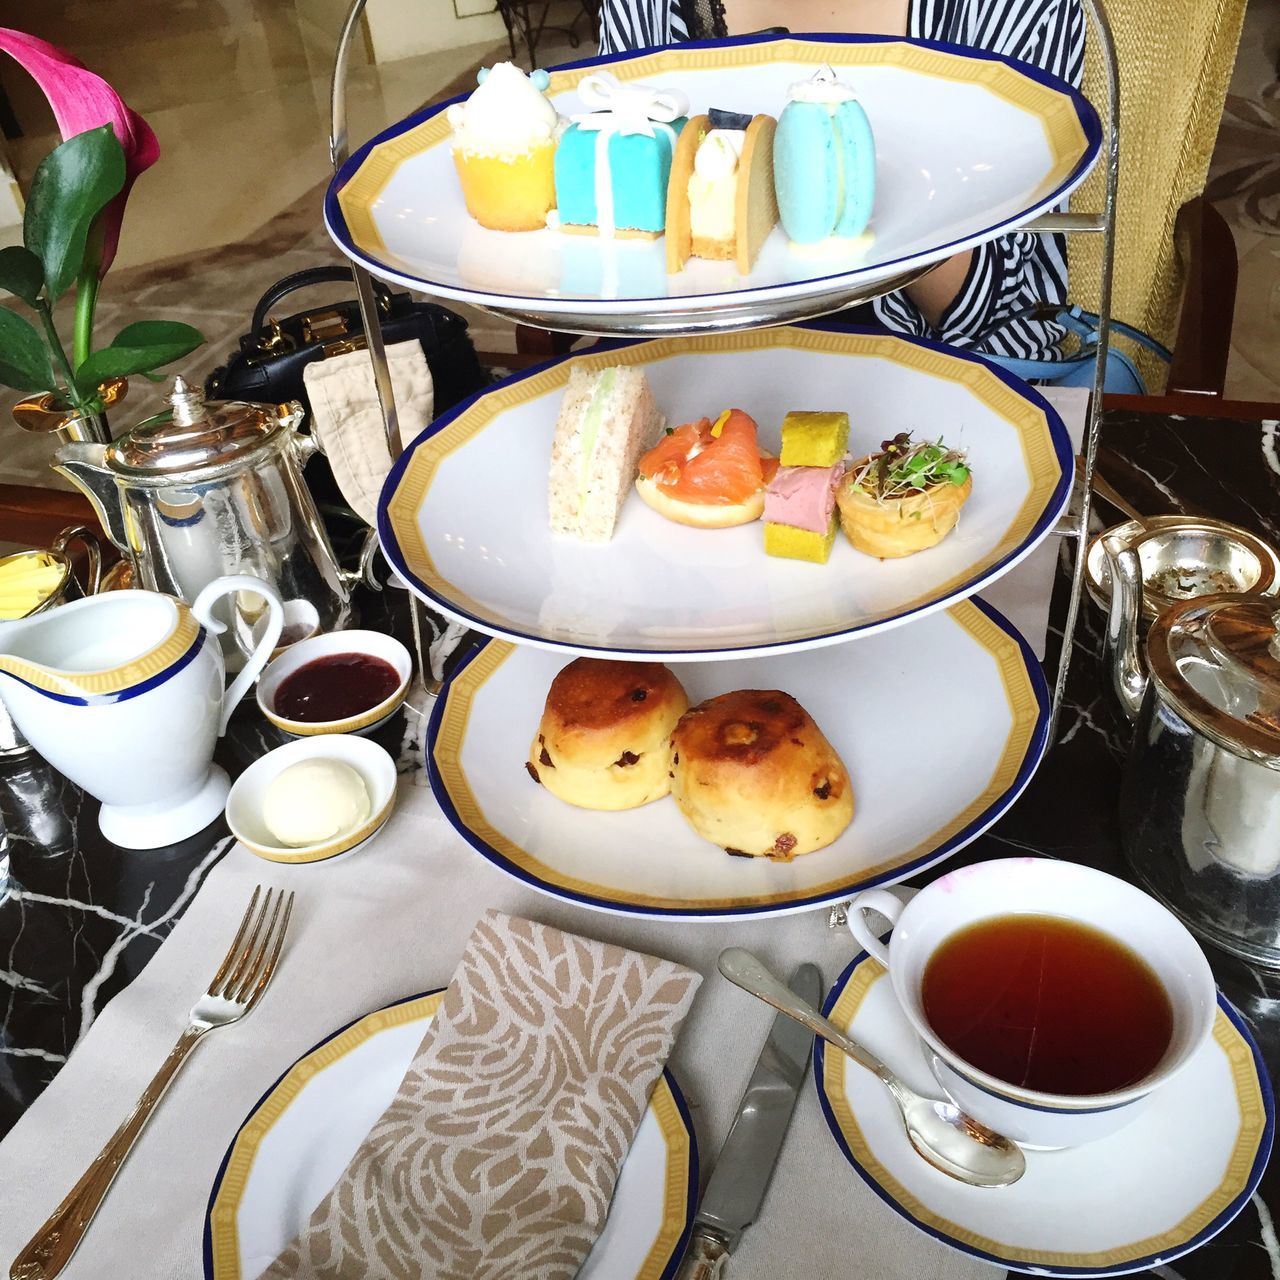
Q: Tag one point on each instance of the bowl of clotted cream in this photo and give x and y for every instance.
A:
(313, 799)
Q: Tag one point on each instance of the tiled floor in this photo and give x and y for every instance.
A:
(237, 91)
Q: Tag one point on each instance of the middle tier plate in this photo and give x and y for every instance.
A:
(463, 514)
(940, 727)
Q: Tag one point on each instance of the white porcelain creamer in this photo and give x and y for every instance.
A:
(123, 693)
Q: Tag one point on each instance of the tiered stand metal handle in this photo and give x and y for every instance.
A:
(1074, 525)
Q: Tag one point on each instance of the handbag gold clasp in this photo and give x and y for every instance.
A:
(323, 326)
(277, 341)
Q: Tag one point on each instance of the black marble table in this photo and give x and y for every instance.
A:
(79, 918)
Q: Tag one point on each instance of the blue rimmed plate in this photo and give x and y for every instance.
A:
(463, 514)
(1159, 1188)
(296, 1142)
(940, 726)
(969, 144)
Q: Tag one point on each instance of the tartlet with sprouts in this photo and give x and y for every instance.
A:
(904, 499)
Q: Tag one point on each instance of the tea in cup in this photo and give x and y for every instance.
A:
(1053, 999)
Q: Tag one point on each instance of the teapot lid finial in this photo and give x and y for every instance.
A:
(187, 402)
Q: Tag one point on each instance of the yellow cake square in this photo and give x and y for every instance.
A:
(799, 544)
(813, 439)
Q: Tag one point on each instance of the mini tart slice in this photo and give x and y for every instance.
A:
(892, 527)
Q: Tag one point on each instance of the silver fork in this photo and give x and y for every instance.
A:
(236, 988)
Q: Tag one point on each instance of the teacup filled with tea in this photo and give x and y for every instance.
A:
(1054, 998)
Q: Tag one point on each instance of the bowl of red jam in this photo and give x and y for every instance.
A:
(339, 682)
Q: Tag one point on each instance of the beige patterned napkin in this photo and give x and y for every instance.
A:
(499, 1154)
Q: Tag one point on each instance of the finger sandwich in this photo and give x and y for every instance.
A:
(608, 418)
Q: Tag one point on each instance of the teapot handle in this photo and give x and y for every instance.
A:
(203, 610)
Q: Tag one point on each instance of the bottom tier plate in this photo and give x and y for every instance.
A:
(941, 725)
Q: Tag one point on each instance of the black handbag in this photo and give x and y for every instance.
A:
(268, 367)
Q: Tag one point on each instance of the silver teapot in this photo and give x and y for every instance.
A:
(1200, 804)
(214, 490)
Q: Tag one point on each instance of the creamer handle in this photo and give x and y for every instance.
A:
(203, 609)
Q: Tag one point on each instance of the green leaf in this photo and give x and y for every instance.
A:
(138, 348)
(71, 186)
(21, 273)
(24, 359)
(157, 333)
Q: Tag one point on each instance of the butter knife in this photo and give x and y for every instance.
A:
(741, 1177)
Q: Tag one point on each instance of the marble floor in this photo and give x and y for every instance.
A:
(237, 92)
(234, 202)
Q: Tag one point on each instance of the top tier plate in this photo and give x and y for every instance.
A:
(968, 144)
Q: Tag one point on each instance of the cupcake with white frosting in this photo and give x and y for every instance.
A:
(504, 146)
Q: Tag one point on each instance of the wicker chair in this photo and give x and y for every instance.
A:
(1175, 269)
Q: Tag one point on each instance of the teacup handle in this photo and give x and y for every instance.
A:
(203, 609)
(888, 905)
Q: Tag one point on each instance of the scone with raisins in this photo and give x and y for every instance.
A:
(604, 741)
(755, 775)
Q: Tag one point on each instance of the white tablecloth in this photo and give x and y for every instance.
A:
(391, 921)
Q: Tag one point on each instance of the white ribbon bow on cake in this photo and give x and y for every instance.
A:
(622, 109)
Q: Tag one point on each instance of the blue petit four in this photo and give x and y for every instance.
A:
(614, 161)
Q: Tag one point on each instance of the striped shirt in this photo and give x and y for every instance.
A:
(1007, 274)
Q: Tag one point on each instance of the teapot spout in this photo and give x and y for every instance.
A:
(85, 465)
(1128, 677)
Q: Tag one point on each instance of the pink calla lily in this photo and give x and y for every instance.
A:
(82, 100)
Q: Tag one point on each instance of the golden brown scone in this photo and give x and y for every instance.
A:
(754, 774)
(604, 741)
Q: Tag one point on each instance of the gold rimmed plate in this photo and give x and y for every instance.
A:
(969, 145)
(463, 515)
(940, 726)
(1160, 1187)
(295, 1143)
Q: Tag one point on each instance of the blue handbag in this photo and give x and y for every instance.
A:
(1076, 370)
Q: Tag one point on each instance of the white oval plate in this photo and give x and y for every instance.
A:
(463, 514)
(1159, 1188)
(296, 1142)
(940, 726)
(969, 144)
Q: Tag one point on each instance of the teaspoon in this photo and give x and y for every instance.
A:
(941, 1133)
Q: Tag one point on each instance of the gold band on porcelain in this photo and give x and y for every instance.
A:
(1253, 1123)
(224, 1237)
(79, 684)
(352, 724)
(1024, 712)
(1030, 425)
(1064, 135)
(319, 852)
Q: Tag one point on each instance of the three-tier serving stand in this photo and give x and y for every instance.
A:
(1074, 524)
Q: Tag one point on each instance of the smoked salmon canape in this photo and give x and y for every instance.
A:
(711, 475)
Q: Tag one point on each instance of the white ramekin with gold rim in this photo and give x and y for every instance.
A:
(245, 804)
(372, 643)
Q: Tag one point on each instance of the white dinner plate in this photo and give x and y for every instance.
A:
(968, 144)
(1159, 1188)
(296, 1142)
(463, 514)
(940, 726)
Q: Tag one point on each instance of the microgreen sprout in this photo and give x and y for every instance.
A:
(901, 468)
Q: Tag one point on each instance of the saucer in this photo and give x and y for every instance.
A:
(1159, 1188)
